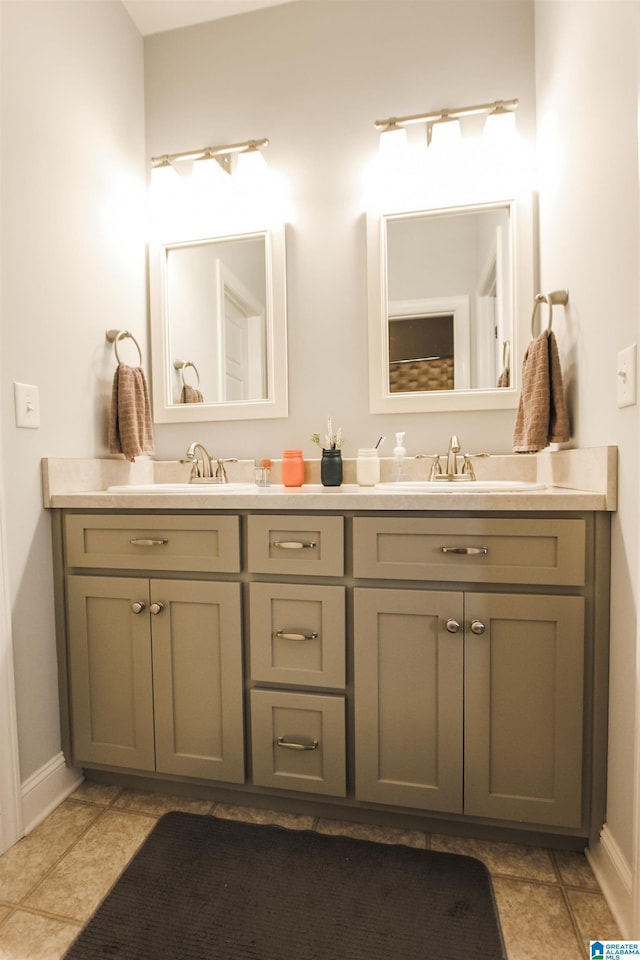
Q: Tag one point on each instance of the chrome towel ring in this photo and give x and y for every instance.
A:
(555, 298)
(182, 365)
(115, 336)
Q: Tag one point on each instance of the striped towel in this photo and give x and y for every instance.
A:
(191, 394)
(130, 430)
(542, 414)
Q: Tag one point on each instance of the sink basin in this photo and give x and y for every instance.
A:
(180, 488)
(457, 486)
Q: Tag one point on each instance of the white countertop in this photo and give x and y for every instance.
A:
(570, 480)
(346, 497)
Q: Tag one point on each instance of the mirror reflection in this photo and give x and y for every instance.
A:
(218, 311)
(449, 322)
(442, 325)
(216, 305)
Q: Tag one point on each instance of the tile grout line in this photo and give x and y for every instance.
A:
(567, 903)
(20, 904)
(111, 806)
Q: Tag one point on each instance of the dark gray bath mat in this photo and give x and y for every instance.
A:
(203, 888)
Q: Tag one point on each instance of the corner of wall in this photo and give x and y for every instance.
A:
(46, 789)
(614, 875)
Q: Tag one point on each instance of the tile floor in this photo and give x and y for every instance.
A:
(53, 879)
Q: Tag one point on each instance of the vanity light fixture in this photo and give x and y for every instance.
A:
(222, 154)
(440, 124)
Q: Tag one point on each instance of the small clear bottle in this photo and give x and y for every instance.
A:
(263, 472)
(368, 467)
(292, 468)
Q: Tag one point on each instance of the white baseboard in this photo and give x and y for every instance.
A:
(615, 877)
(46, 789)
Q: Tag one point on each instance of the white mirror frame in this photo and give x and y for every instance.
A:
(276, 402)
(381, 400)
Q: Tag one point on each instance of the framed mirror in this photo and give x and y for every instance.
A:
(219, 332)
(442, 309)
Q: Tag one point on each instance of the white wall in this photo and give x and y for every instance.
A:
(313, 77)
(587, 60)
(73, 174)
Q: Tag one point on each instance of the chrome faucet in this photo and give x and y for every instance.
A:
(451, 473)
(452, 457)
(198, 471)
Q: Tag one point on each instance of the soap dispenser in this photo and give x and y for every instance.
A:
(399, 453)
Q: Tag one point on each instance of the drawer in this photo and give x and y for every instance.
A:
(303, 545)
(297, 634)
(476, 549)
(298, 741)
(194, 543)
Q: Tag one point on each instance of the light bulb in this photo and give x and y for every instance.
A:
(208, 176)
(251, 165)
(500, 126)
(164, 179)
(393, 144)
(445, 134)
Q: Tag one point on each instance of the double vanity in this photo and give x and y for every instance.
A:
(396, 654)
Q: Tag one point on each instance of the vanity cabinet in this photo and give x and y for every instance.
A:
(465, 701)
(297, 644)
(155, 664)
(445, 666)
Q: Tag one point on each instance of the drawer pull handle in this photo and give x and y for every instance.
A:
(301, 743)
(146, 542)
(453, 626)
(156, 608)
(137, 606)
(281, 635)
(295, 544)
(477, 627)
(467, 551)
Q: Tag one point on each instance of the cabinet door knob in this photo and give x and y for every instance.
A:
(156, 608)
(452, 626)
(138, 606)
(477, 627)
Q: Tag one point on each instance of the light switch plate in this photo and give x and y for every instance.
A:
(27, 404)
(627, 376)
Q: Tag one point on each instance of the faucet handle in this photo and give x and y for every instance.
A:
(467, 467)
(436, 467)
(221, 473)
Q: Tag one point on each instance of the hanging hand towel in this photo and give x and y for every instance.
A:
(130, 430)
(559, 430)
(191, 395)
(542, 416)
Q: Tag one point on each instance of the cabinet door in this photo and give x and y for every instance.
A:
(110, 672)
(408, 698)
(523, 719)
(197, 679)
